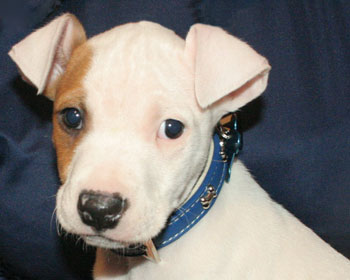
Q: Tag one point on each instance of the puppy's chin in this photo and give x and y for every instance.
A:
(103, 242)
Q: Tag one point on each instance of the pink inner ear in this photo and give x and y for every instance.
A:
(223, 64)
(46, 51)
(243, 95)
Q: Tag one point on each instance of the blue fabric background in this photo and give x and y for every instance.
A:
(296, 137)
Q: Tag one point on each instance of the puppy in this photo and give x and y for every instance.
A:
(135, 109)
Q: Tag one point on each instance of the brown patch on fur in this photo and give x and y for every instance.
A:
(70, 93)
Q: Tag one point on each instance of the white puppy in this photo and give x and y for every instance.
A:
(134, 114)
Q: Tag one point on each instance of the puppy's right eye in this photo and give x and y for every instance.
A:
(170, 129)
(72, 118)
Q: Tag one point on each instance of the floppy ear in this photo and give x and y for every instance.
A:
(43, 55)
(228, 73)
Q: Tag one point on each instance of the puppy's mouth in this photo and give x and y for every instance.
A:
(104, 242)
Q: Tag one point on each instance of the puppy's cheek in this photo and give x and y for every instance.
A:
(61, 215)
(65, 146)
(142, 226)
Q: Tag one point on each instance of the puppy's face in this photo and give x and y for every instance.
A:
(134, 111)
(126, 122)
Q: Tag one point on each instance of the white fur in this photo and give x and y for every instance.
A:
(142, 74)
(244, 236)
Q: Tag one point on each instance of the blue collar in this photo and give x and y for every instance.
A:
(227, 143)
(181, 221)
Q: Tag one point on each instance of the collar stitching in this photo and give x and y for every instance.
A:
(178, 217)
(200, 214)
(179, 233)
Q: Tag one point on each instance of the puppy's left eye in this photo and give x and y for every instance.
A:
(170, 129)
(72, 118)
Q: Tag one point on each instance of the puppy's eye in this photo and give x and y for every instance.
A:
(72, 118)
(170, 129)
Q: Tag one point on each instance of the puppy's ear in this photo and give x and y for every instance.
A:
(228, 73)
(43, 55)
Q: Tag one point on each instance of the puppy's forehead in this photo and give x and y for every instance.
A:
(131, 52)
(134, 63)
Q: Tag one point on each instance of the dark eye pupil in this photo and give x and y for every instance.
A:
(173, 128)
(72, 118)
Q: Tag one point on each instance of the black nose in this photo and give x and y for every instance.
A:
(100, 210)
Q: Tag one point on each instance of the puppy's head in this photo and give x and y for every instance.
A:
(134, 112)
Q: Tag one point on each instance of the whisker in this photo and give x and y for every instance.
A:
(53, 216)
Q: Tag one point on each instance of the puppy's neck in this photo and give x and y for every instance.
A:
(204, 173)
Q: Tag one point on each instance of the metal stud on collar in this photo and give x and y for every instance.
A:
(208, 198)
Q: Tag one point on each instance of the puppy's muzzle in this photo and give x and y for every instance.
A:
(101, 211)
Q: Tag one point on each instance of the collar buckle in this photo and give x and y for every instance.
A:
(230, 140)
